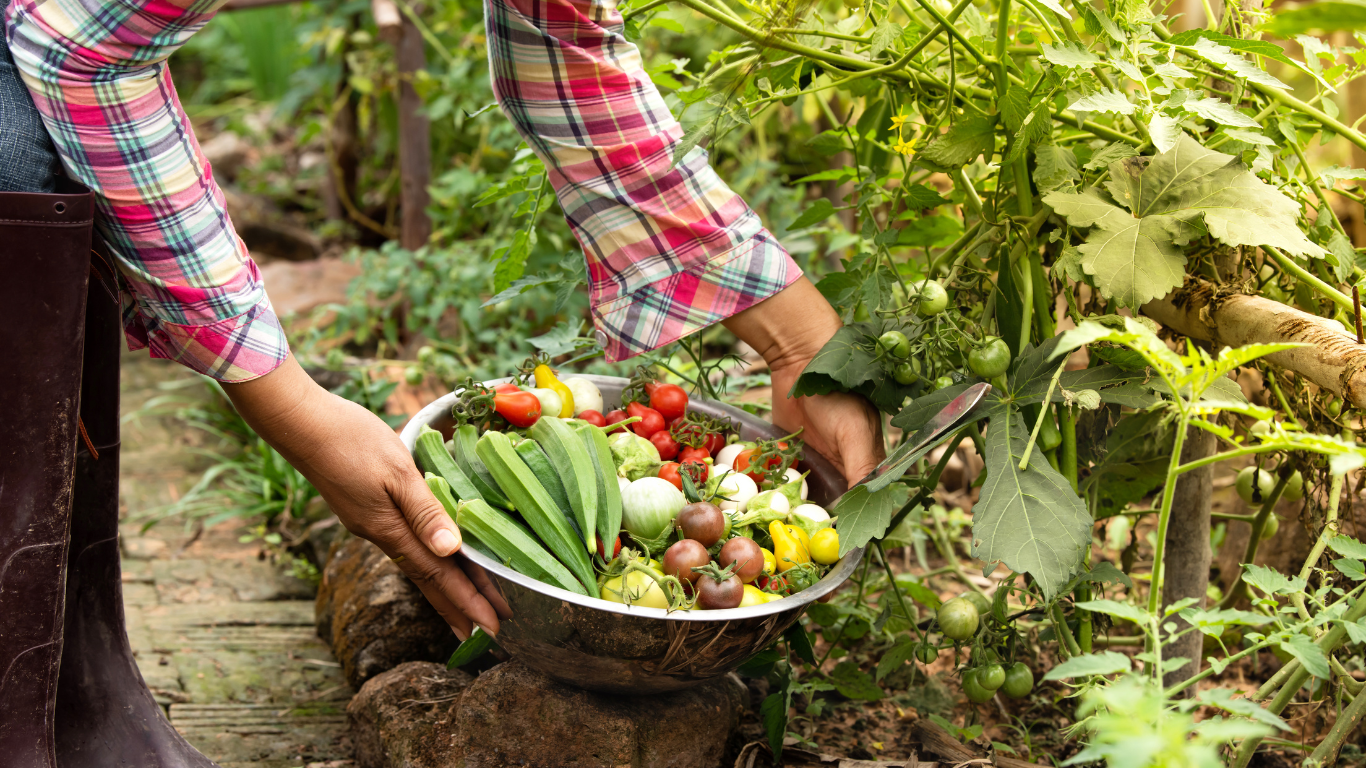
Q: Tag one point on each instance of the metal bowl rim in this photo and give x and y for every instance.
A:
(837, 576)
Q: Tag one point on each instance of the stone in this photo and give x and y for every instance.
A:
(512, 715)
(143, 547)
(421, 715)
(405, 718)
(374, 617)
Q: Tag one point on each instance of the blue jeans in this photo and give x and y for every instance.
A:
(28, 161)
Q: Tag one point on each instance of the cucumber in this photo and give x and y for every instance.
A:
(609, 493)
(536, 505)
(509, 542)
(432, 458)
(462, 450)
(576, 467)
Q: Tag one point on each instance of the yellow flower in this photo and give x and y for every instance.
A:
(904, 147)
(898, 121)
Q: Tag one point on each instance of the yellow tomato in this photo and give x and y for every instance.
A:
(641, 589)
(753, 596)
(825, 546)
(770, 562)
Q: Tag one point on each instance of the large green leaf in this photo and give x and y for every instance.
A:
(865, 516)
(964, 142)
(1030, 520)
(843, 363)
(1136, 255)
(1322, 16)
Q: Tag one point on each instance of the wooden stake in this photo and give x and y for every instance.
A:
(1356, 312)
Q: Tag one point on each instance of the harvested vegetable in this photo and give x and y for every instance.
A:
(648, 507)
(587, 396)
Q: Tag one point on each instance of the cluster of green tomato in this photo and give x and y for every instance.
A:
(959, 620)
(988, 358)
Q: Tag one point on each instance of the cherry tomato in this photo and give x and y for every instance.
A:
(750, 557)
(957, 619)
(616, 548)
(1265, 481)
(665, 444)
(933, 299)
(907, 372)
(979, 601)
(521, 409)
(943, 382)
(976, 693)
(991, 676)
(926, 653)
(1019, 681)
(651, 421)
(669, 470)
(689, 453)
(713, 595)
(1271, 526)
(991, 359)
(702, 522)
(615, 416)
(1294, 487)
(715, 442)
(742, 460)
(825, 546)
(895, 344)
(593, 417)
(506, 387)
(670, 400)
(682, 557)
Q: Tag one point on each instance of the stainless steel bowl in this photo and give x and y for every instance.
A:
(613, 648)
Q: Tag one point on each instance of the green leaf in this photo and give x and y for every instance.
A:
(918, 197)
(1262, 48)
(1137, 257)
(1054, 167)
(820, 210)
(511, 261)
(1108, 154)
(761, 663)
(884, 35)
(896, 657)
(834, 174)
(1347, 547)
(474, 647)
(1164, 131)
(1107, 573)
(1352, 569)
(1069, 55)
(1318, 16)
(919, 592)
(774, 714)
(1104, 100)
(1272, 581)
(828, 143)
(1030, 520)
(799, 642)
(967, 140)
(520, 286)
(1356, 630)
(1103, 663)
(1219, 111)
(561, 339)
(930, 231)
(1232, 62)
(843, 363)
(1222, 698)
(865, 516)
(1015, 107)
(854, 683)
(1113, 608)
(1309, 654)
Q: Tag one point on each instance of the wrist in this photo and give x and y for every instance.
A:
(789, 328)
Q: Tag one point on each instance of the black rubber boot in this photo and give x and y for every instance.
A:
(45, 255)
(106, 717)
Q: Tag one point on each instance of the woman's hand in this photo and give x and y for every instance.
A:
(788, 329)
(368, 479)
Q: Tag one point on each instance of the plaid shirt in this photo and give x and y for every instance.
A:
(669, 252)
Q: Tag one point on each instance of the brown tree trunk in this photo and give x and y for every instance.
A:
(1186, 562)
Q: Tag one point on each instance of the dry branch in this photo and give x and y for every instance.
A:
(1332, 360)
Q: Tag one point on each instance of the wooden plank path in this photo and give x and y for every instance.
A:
(224, 639)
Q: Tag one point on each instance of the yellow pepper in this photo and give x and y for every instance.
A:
(753, 596)
(790, 545)
(770, 562)
(545, 379)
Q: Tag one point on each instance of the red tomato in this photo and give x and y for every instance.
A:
(615, 416)
(666, 444)
(506, 387)
(521, 409)
(715, 442)
(673, 423)
(742, 463)
(594, 418)
(693, 454)
(650, 420)
(670, 400)
(669, 470)
(616, 548)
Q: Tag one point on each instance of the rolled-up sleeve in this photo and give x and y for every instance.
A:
(669, 250)
(97, 70)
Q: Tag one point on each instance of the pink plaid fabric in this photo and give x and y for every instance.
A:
(668, 252)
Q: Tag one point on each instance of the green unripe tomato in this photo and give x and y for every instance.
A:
(991, 676)
(991, 359)
(1294, 487)
(1271, 526)
(895, 344)
(933, 299)
(1260, 428)
(1335, 408)
(943, 382)
(982, 71)
(425, 354)
(926, 653)
(907, 372)
(414, 376)
(974, 689)
(979, 601)
(1019, 681)
(957, 619)
(1266, 483)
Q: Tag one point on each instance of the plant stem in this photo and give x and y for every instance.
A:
(1330, 529)
(1043, 414)
(1239, 587)
(1327, 751)
(1068, 425)
(1063, 631)
(1174, 468)
(900, 598)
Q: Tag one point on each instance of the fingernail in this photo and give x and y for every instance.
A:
(458, 633)
(485, 630)
(444, 542)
